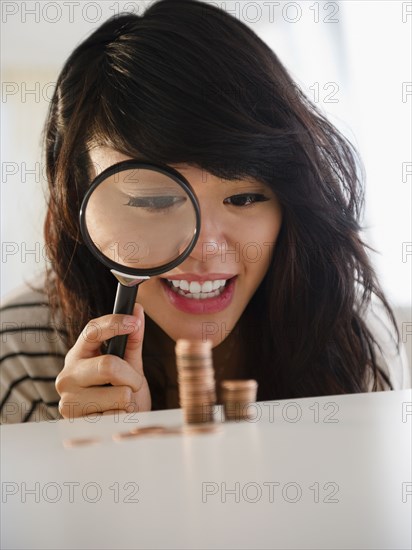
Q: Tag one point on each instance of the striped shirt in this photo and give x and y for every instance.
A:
(32, 355)
(33, 352)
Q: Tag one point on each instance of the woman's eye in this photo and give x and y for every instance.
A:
(155, 203)
(246, 199)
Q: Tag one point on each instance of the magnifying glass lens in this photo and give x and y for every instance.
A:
(140, 219)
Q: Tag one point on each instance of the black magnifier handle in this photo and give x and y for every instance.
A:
(124, 303)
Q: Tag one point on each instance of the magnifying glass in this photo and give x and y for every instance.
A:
(140, 220)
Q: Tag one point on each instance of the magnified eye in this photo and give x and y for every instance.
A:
(157, 203)
(245, 199)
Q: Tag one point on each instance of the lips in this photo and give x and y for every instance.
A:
(208, 294)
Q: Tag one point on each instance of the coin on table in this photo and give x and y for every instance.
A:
(145, 431)
(201, 428)
(80, 441)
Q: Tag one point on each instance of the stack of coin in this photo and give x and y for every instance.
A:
(195, 375)
(237, 395)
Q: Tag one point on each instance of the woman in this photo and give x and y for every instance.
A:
(189, 86)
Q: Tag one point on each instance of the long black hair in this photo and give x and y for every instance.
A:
(188, 83)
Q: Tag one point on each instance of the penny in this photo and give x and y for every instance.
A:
(123, 435)
(145, 431)
(192, 347)
(148, 430)
(239, 385)
(80, 441)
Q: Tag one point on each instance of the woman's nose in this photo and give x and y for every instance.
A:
(211, 236)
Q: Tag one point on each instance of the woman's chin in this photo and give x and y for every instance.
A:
(206, 331)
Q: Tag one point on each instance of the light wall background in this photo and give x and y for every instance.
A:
(353, 58)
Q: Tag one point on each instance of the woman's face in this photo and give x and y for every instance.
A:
(205, 296)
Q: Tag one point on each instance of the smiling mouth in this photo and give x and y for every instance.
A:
(197, 291)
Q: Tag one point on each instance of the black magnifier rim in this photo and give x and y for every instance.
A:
(134, 164)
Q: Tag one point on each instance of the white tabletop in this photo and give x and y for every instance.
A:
(330, 472)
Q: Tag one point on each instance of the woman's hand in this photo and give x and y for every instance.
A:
(81, 383)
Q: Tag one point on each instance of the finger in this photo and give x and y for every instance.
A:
(97, 401)
(98, 371)
(133, 352)
(98, 330)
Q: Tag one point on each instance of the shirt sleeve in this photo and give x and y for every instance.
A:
(32, 355)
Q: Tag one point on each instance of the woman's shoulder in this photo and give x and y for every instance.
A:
(26, 311)
(32, 353)
(25, 299)
(390, 351)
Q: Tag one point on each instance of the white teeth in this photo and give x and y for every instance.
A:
(194, 287)
(207, 286)
(200, 295)
(184, 285)
(218, 284)
(196, 290)
(215, 285)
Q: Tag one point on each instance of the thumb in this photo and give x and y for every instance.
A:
(133, 352)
